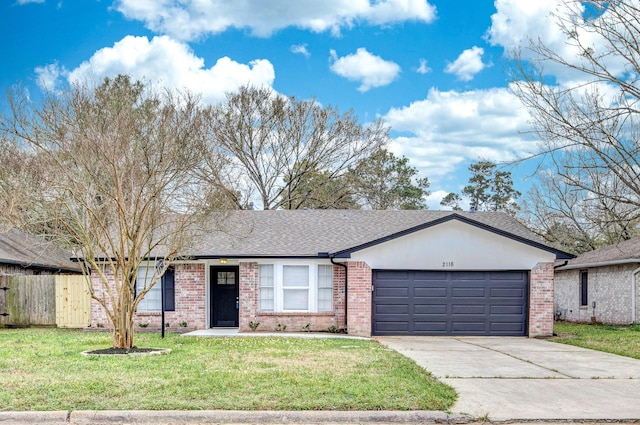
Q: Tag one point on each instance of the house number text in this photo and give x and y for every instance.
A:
(447, 264)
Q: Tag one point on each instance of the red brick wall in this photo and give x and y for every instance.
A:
(248, 295)
(294, 322)
(190, 302)
(541, 300)
(359, 297)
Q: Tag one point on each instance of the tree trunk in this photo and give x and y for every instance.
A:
(122, 336)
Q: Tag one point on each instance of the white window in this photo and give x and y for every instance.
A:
(295, 286)
(325, 287)
(265, 286)
(152, 301)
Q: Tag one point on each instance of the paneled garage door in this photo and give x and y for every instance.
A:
(450, 303)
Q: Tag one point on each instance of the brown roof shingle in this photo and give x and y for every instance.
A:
(23, 249)
(293, 233)
(622, 252)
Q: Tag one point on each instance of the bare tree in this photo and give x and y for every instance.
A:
(115, 163)
(589, 121)
(277, 143)
(575, 220)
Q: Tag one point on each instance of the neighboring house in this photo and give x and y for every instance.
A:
(24, 254)
(366, 272)
(603, 284)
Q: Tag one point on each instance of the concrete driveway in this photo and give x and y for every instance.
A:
(509, 379)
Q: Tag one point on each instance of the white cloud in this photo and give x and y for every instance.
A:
(449, 128)
(468, 64)
(174, 65)
(423, 68)
(190, 19)
(49, 76)
(517, 22)
(370, 70)
(301, 49)
(21, 2)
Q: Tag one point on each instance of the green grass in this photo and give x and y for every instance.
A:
(622, 340)
(42, 369)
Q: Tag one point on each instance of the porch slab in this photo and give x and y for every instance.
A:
(231, 332)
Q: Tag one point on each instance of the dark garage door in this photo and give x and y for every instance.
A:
(450, 303)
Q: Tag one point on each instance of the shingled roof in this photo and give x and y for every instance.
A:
(623, 252)
(22, 249)
(312, 233)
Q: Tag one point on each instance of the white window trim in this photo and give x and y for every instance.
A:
(278, 288)
(142, 306)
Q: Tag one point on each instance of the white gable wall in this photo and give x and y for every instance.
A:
(453, 245)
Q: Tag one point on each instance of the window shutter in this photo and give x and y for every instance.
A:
(169, 290)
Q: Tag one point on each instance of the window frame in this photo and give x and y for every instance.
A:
(279, 288)
(169, 289)
(583, 288)
(157, 287)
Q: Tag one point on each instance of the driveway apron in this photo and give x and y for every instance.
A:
(507, 379)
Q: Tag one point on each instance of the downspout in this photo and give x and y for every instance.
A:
(634, 274)
(346, 298)
(561, 265)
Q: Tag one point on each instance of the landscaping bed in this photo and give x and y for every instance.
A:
(42, 369)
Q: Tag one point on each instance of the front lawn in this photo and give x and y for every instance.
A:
(42, 369)
(622, 340)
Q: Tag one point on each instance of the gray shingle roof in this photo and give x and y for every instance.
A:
(300, 233)
(20, 248)
(619, 253)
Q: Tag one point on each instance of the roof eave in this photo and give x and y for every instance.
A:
(599, 264)
(38, 266)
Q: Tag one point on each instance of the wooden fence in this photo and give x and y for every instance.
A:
(73, 302)
(44, 301)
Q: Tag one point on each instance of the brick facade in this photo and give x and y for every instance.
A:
(359, 299)
(609, 287)
(190, 302)
(541, 311)
(294, 322)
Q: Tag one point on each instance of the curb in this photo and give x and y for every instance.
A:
(165, 417)
(60, 417)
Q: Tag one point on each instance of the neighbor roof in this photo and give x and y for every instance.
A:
(623, 252)
(313, 233)
(22, 249)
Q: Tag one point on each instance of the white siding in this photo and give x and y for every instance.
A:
(453, 245)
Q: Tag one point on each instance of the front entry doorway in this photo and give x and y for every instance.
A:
(225, 293)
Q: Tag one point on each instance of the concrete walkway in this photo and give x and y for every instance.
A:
(512, 379)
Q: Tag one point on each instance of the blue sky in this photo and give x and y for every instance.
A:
(433, 69)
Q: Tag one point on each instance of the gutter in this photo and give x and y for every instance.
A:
(599, 264)
(346, 295)
(634, 274)
(560, 265)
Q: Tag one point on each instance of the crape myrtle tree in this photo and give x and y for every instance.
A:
(587, 117)
(275, 145)
(115, 182)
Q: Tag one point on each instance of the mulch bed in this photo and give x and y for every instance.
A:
(133, 351)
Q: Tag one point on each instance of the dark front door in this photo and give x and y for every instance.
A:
(224, 296)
